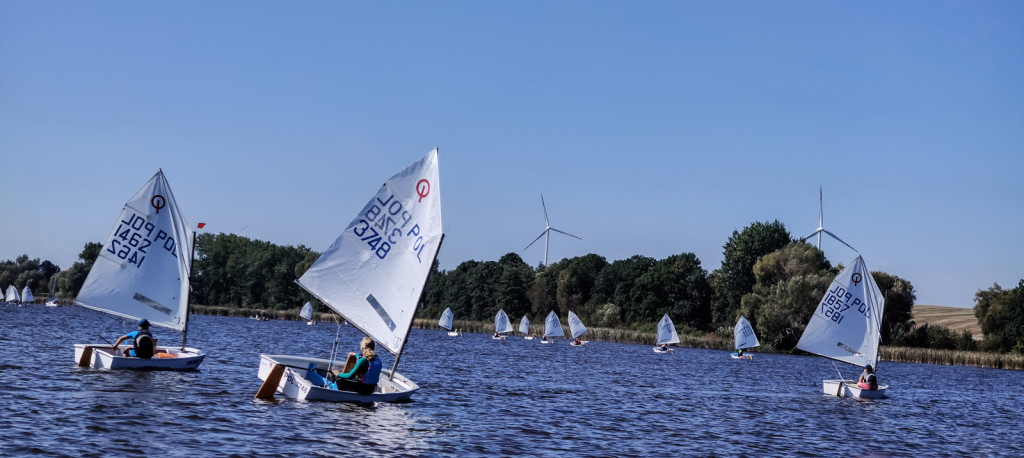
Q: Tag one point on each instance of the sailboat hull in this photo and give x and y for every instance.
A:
(168, 358)
(659, 350)
(294, 384)
(738, 356)
(850, 389)
(453, 333)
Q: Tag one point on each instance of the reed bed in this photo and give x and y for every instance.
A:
(1011, 361)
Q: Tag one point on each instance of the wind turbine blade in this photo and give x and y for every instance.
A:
(812, 234)
(563, 232)
(545, 231)
(542, 204)
(839, 239)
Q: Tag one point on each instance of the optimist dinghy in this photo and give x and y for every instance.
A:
(666, 335)
(744, 337)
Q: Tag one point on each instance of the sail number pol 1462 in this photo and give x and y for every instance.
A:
(384, 226)
(135, 237)
(838, 301)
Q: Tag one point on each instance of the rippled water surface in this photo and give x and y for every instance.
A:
(480, 396)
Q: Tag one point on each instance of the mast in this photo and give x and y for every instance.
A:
(192, 260)
(423, 291)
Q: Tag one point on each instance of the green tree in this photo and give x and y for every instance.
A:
(677, 286)
(70, 281)
(736, 276)
(899, 304)
(1000, 314)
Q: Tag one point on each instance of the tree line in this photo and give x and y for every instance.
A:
(766, 275)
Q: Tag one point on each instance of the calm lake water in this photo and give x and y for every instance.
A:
(480, 396)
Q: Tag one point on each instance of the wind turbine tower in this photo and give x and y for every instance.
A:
(547, 232)
(821, 227)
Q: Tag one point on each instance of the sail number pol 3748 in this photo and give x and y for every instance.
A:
(384, 226)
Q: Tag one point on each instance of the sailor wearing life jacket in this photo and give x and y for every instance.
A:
(867, 380)
(143, 343)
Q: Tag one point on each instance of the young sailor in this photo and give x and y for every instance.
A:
(143, 343)
(867, 380)
(365, 373)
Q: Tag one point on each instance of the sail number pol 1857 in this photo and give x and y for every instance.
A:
(384, 226)
(135, 237)
(838, 301)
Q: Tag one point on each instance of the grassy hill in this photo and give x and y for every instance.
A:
(954, 318)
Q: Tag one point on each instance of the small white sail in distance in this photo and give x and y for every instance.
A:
(667, 331)
(373, 273)
(143, 268)
(576, 326)
(524, 325)
(12, 294)
(501, 322)
(744, 336)
(552, 327)
(307, 311)
(846, 324)
(447, 318)
(26, 294)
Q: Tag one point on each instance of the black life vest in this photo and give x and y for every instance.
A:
(144, 344)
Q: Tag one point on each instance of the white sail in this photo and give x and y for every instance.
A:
(142, 270)
(307, 311)
(552, 327)
(667, 331)
(446, 319)
(524, 325)
(501, 322)
(744, 334)
(373, 273)
(576, 327)
(12, 294)
(846, 324)
(26, 295)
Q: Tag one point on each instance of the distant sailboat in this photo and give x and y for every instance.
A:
(143, 272)
(577, 329)
(447, 320)
(846, 326)
(26, 295)
(501, 325)
(12, 295)
(373, 275)
(524, 327)
(307, 313)
(744, 337)
(552, 328)
(667, 334)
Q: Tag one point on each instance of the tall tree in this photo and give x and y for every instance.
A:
(899, 305)
(736, 276)
(1000, 314)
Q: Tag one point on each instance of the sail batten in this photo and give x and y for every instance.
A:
(143, 268)
(373, 273)
(743, 334)
(667, 333)
(846, 324)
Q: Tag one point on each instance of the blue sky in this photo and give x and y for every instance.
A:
(651, 128)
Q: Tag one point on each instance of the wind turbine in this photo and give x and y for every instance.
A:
(821, 228)
(547, 232)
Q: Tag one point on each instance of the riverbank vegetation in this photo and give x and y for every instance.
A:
(766, 275)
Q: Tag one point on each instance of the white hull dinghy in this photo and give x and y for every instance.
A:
(552, 328)
(142, 272)
(446, 322)
(373, 276)
(102, 356)
(501, 325)
(577, 329)
(667, 334)
(744, 337)
(846, 326)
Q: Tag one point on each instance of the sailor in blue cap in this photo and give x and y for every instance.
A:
(143, 343)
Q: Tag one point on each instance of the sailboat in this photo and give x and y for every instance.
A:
(307, 313)
(667, 334)
(846, 326)
(743, 334)
(373, 275)
(577, 329)
(12, 295)
(26, 295)
(524, 327)
(143, 272)
(552, 328)
(446, 321)
(501, 325)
